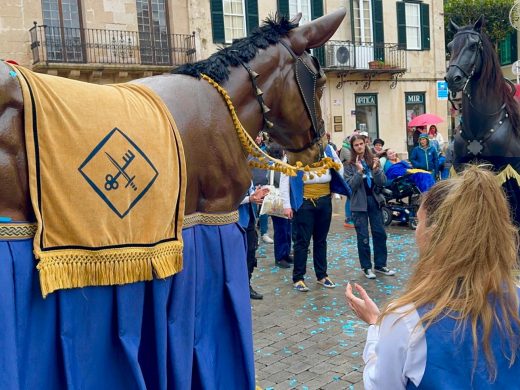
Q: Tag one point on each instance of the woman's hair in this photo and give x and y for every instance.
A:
(467, 266)
(367, 156)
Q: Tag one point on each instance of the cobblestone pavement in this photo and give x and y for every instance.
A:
(312, 340)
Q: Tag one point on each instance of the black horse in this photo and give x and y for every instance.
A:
(490, 114)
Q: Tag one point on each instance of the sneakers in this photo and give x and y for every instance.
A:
(348, 225)
(254, 294)
(267, 239)
(283, 264)
(385, 271)
(369, 274)
(326, 282)
(300, 286)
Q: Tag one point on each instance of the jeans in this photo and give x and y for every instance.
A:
(361, 219)
(348, 213)
(263, 222)
(312, 220)
(282, 238)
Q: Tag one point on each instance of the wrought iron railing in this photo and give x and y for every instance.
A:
(98, 46)
(364, 56)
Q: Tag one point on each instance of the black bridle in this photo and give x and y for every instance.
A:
(476, 54)
(306, 79)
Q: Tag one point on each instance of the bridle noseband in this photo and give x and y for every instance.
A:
(306, 79)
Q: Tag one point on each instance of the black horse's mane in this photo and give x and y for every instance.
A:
(491, 79)
(242, 50)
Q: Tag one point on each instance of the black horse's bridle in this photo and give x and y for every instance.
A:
(476, 53)
(306, 79)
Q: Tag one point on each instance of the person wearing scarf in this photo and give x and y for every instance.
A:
(364, 174)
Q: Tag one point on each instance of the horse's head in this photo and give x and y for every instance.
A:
(296, 120)
(466, 50)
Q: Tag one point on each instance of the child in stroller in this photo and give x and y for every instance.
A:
(402, 191)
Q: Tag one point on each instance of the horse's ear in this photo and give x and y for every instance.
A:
(316, 33)
(479, 23)
(297, 18)
(453, 26)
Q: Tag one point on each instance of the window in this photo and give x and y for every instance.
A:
(413, 25)
(63, 33)
(152, 23)
(303, 6)
(366, 114)
(507, 49)
(232, 19)
(363, 21)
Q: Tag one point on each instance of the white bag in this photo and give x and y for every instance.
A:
(273, 202)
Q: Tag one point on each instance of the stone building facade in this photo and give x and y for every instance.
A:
(383, 64)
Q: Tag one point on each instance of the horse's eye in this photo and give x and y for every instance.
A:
(450, 46)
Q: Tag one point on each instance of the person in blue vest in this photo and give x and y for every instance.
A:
(424, 156)
(457, 325)
(247, 219)
(309, 203)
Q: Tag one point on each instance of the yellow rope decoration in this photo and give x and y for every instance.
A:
(249, 145)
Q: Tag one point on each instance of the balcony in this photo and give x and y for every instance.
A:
(347, 56)
(115, 50)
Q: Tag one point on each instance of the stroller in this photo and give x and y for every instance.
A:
(401, 201)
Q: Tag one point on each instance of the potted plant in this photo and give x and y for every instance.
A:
(377, 64)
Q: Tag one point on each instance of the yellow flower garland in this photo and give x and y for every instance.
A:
(249, 145)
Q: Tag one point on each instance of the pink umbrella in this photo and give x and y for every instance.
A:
(424, 120)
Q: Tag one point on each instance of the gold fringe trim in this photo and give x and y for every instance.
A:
(10, 231)
(508, 173)
(72, 268)
(209, 219)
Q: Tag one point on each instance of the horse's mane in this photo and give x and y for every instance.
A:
(491, 81)
(242, 50)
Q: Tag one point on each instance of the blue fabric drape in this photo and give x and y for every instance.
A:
(191, 330)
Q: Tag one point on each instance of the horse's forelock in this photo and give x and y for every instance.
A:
(274, 28)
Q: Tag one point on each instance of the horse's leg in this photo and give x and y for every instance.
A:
(14, 188)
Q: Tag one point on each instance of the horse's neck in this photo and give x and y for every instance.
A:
(481, 112)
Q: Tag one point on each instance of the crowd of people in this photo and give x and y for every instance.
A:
(462, 301)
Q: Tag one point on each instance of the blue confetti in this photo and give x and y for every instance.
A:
(12, 73)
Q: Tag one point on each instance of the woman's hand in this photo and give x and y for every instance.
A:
(359, 166)
(288, 213)
(376, 164)
(364, 307)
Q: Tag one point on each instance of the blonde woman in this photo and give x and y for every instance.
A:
(457, 324)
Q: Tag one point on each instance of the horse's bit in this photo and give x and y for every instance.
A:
(306, 79)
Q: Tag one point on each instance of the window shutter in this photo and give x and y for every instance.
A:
(251, 15)
(401, 25)
(316, 9)
(283, 8)
(217, 21)
(514, 48)
(425, 26)
(377, 22)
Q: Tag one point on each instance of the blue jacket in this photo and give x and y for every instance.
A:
(247, 210)
(425, 158)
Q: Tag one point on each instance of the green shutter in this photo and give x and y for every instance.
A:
(425, 26)
(283, 8)
(316, 12)
(316, 9)
(377, 22)
(514, 46)
(251, 15)
(217, 21)
(401, 25)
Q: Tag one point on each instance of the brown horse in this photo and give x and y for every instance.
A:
(216, 164)
(191, 329)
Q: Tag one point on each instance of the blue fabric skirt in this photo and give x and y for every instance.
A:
(191, 330)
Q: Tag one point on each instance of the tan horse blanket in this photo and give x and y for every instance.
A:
(107, 182)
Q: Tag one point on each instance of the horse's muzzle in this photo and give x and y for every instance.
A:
(455, 79)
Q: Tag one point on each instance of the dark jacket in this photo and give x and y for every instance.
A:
(358, 201)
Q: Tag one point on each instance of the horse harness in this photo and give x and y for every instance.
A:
(306, 79)
(476, 145)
